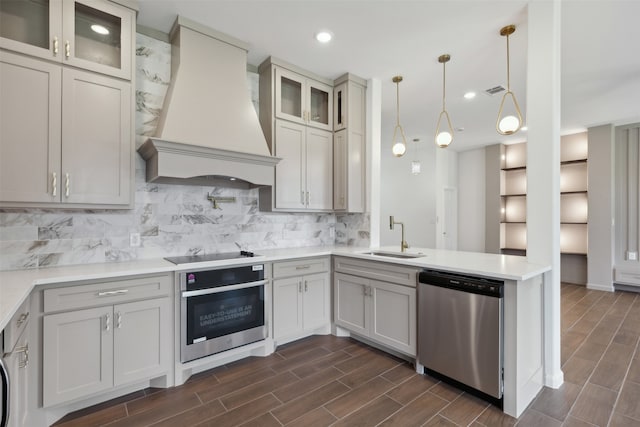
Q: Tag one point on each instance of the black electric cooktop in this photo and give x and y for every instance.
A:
(188, 259)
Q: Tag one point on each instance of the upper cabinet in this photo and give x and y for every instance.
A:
(95, 35)
(66, 104)
(349, 143)
(303, 100)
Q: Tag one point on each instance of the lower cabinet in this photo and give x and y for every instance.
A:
(86, 351)
(301, 303)
(16, 357)
(381, 311)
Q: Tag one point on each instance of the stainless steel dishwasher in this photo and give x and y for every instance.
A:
(460, 331)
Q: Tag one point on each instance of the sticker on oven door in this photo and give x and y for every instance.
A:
(258, 267)
(197, 340)
(191, 279)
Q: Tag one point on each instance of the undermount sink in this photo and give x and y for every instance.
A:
(394, 255)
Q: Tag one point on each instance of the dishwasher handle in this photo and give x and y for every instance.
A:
(460, 282)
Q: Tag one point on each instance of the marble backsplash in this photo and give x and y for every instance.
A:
(171, 219)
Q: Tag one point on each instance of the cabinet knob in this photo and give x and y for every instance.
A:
(55, 46)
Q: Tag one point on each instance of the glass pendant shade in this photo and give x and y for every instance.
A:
(510, 120)
(399, 141)
(444, 137)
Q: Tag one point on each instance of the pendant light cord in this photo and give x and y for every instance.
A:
(508, 70)
(444, 81)
(397, 103)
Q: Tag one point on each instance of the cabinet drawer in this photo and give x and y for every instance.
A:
(300, 267)
(377, 270)
(17, 324)
(101, 293)
(631, 277)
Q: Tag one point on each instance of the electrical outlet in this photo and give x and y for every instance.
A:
(134, 240)
(632, 256)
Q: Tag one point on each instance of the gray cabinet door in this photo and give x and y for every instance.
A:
(351, 303)
(30, 97)
(319, 169)
(316, 303)
(290, 185)
(77, 354)
(142, 340)
(287, 306)
(394, 316)
(96, 134)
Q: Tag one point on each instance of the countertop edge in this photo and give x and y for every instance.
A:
(39, 277)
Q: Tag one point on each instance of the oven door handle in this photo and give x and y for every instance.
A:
(208, 291)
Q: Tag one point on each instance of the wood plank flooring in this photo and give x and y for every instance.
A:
(324, 380)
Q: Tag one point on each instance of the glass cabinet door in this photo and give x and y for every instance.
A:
(32, 27)
(98, 36)
(289, 96)
(320, 102)
(339, 107)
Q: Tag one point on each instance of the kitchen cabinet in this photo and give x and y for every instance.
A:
(303, 100)
(16, 358)
(297, 120)
(122, 336)
(301, 298)
(349, 144)
(304, 176)
(70, 145)
(379, 310)
(66, 31)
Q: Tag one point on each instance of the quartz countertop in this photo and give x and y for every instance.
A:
(15, 285)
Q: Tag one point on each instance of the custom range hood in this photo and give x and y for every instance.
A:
(208, 132)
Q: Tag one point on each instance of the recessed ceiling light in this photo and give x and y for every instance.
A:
(324, 36)
(460, 129)
(469, 95)
(100, 29)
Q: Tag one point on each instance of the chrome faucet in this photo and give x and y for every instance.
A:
(403, 243)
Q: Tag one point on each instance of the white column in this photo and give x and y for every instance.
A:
(373, 172)
(543, 170)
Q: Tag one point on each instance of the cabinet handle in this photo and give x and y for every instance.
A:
(302, 198)
(25, 351)
(54, 185)
(119, 320)
(308, 197)
(306, 287)
(370, 291)
(67, 184)
(112, 293)
(55, 46)
(300, 286)
(364, 290)
(107, 322)
(303, 267)
(67, 49)
(23, 318)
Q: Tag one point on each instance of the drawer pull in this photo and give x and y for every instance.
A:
(303, 267)
(25, 361)
(112, 293)
(23, 318)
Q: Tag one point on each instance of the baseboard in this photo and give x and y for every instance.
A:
(597, 287)
(554, 379)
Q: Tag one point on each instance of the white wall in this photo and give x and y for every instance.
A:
(410, 198)
(471, 200)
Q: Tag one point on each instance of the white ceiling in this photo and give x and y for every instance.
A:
(383, 38)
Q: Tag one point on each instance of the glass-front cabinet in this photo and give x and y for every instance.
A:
(94, 35)
(303, 100)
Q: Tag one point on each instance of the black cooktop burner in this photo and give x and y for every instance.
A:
(188, 259)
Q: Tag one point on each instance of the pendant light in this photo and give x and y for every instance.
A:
(444, 137)
(508, 124)
(399, 142)
(415, 164)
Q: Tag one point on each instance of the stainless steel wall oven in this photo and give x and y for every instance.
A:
(221, 309)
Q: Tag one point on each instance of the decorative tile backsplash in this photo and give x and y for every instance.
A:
(171, 219)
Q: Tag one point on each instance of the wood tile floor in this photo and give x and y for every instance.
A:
(324, 380)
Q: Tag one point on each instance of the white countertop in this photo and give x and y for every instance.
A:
(15, 285)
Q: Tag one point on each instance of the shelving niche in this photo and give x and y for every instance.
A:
(573, 203)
